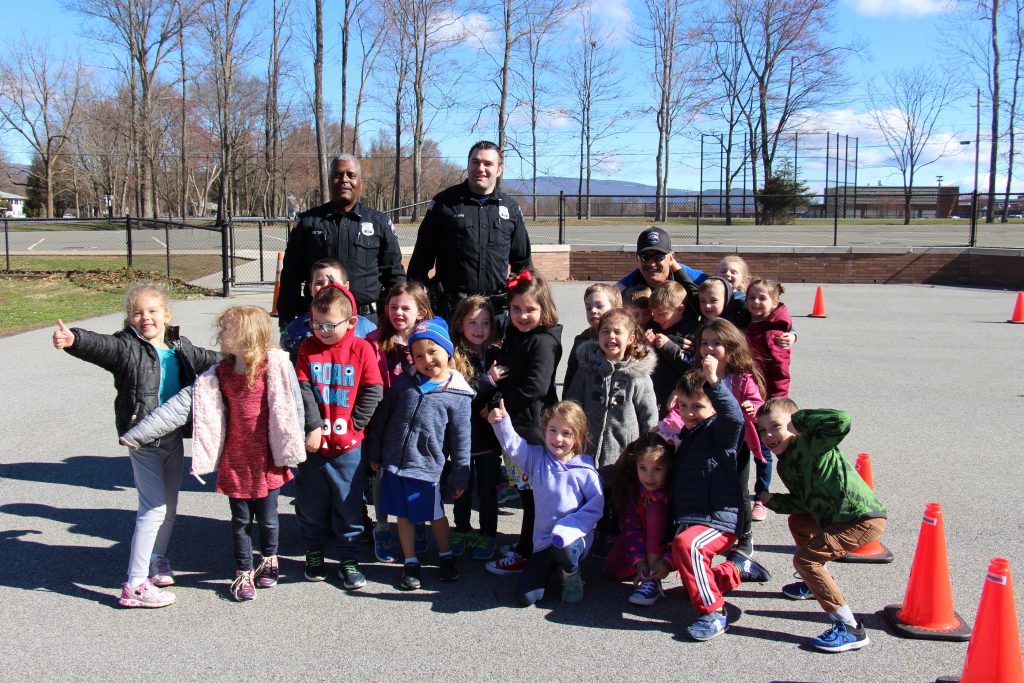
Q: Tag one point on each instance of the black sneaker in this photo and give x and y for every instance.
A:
(315, 568)
(446, 569)
(350, 575)
(750, 571)
(410, 577)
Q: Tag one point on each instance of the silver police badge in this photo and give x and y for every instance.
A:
(503, 212)
(366, 229)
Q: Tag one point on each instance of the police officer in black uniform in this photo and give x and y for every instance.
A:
(471, 234)
(363, 239)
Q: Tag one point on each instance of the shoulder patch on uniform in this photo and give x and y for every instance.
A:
(430, 205)
(392, 227)
(503, 212)
(366, 228)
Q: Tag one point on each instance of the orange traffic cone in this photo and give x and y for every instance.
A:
(277, 284)
(994, 653)
(819, 305)
(1018, 311)
(927, 610)
(873, 552)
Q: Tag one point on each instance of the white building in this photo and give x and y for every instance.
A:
(17, 204)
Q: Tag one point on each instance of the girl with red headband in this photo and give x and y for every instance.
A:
(524, 376)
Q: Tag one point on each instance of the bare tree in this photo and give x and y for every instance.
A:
(39, 100)
(906, 111)
(788, 49)
(279, 39)
(371, 39)
(430, 28)
(318, 98)
(1016, 16)
(595, 80)
(149, 32)
(664, 37)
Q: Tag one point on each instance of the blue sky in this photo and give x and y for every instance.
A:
(893, 33)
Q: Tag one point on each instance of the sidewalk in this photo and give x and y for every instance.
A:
(931, 375)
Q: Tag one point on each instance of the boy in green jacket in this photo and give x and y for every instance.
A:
(831, 509)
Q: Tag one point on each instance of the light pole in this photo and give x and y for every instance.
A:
(938, 196)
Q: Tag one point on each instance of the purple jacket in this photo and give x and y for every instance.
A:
(567, 495)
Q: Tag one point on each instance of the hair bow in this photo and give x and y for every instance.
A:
(524, 276)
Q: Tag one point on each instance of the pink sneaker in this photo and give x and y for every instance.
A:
(160, 573)
(145, 595)
(267, 573)
(758, 512)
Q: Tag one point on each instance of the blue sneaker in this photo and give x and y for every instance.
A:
(647, 593)
(797, 591)
(460, 540)
(384, 545)
(841, 638)
(750, 571)
(709, 626)
(483, 548)
(422, 540)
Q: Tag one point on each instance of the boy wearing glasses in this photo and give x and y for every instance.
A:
(341, 386)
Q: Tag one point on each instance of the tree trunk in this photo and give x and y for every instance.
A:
(318, 103)
(994, 153)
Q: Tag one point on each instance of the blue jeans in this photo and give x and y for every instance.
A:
(534, 579)
(330, 500)
(243, 510)
(763, 476)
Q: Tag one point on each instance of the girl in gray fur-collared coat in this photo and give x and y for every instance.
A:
(613, 384)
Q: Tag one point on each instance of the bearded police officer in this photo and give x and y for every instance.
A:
(364, 240)
(471, 235)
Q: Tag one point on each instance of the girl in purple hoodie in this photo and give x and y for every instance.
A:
(567, 492)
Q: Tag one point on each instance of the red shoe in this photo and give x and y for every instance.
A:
(758, 512)
(511, 563)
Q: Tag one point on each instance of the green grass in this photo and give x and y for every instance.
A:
(184, 267)
(30, 302)
(66, 225)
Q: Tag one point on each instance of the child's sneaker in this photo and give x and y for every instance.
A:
(797, 591)
(758, 512)
(709, 626)
(510, 563)
(145, 595)
(446, 569)
(160, 573)
(242, 588)
(315, 568)
(422, 540)
(410, 577)
(267, 573)
(841, 638)
(750, 571)
(384, 545)
(647, 593)
(572, 586)
(483, 549)
(460, 539)
(350, 575)
(506, 493)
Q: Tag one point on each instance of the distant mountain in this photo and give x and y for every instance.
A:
(554, 185)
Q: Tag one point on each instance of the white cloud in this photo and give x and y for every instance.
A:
(906, 8)
(612, 18)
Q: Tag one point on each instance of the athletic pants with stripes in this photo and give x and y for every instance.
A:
(692, 551)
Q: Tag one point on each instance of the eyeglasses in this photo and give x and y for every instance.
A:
(651, 257)
(324, 327)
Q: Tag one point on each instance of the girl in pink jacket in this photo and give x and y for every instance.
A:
(248, 426)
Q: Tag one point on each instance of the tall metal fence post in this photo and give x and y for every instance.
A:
(561, 216)
(835, 222)
(167, 245)
(128, 237)
(259, 225)
(225, 275)
(972, 239)
(700, 209)
(231, 234)
(7, 245)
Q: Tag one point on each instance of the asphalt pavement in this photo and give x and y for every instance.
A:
(931, 375)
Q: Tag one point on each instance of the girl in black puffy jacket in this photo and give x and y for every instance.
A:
(150, 363)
